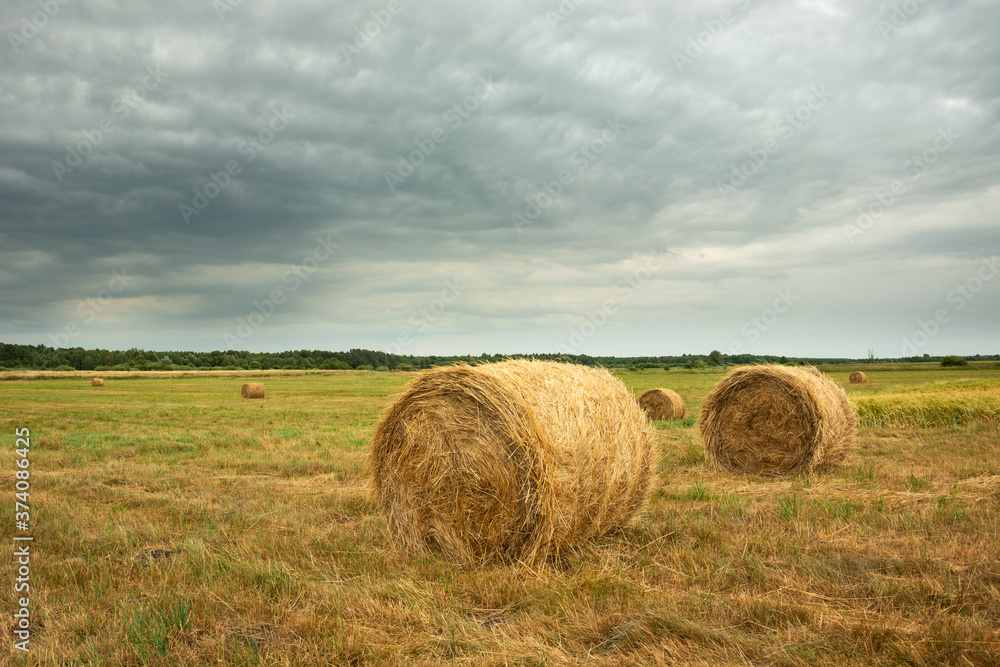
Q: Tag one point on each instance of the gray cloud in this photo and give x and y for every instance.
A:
(808, 112)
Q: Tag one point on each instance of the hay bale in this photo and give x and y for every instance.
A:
(662, 404)
(96, 382)
(776, 420)
(252, 390)
(857, 377)
(511, 461)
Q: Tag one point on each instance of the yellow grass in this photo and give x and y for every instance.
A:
(937, 404)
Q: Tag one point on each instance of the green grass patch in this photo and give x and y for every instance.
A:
(789, 505)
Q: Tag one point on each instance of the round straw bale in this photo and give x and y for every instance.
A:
(252, 390)
(662, 404)
(776, 420)
(857, 377)
(96, 382)
(511, 461)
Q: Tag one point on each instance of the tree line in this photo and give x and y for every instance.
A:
(42, 357)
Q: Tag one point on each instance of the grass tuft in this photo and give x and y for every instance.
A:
(150, 630)
(789, 506)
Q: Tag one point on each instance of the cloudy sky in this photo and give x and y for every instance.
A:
(813, 178)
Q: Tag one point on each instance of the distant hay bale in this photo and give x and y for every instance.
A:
(252, 390)
(662, 404)
(776, 420)
(857, 377)
(511, 461)
(96, 382)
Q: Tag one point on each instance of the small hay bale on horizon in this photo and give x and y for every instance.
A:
(512, 461)
(857, 377)
(252, 390)
(776, 420)
(96, 382)
(662, 404)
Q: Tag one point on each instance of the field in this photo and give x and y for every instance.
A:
(176, 524)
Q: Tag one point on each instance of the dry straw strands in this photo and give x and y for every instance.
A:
(96, 382)
(511, 461)
(252, 390)
(857, 377)
(775, 420)
(661, 404)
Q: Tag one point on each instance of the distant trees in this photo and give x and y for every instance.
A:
(41, 357)
(954, 360)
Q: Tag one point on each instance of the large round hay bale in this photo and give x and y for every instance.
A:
(252, 390)
(662, 404)
(775, 420)
(96, 382)
(857, 377)
(511, 461)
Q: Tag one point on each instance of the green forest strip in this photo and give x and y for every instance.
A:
(41, 357)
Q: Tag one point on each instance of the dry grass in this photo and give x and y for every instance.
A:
(174, 526)
(662, 404)
(513, 461)
(776, 420)
(252, 390)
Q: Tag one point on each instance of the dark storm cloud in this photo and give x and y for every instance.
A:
(536, 151)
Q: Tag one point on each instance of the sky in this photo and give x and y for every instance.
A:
(638, 178)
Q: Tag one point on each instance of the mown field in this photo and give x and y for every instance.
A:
(176, 524)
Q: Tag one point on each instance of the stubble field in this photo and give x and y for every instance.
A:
(175, 523)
